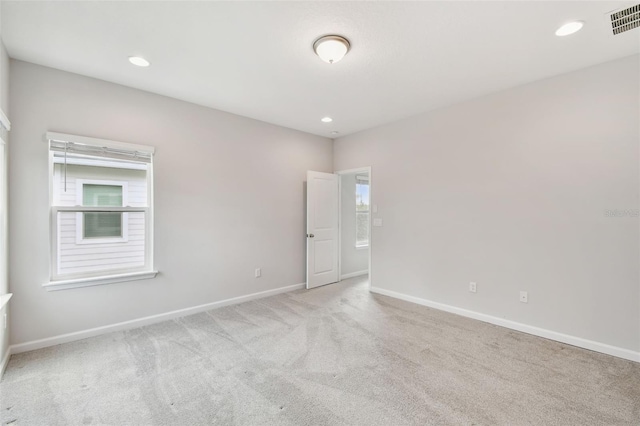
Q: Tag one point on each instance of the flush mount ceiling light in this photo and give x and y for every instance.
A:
(139, 61)
(326, 119)
(569, 28)
(331, 48)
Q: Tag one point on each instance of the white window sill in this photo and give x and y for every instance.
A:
(362, 247)
(107, 279)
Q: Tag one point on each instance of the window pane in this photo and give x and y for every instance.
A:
(362, 197)
(362, 228)
(102, 225)
(101, 195)
(99, 243)
(78, 258)
(362, 213)
(68, 188)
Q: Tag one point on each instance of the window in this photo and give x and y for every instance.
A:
(362, 211)
(102, 227)
(101, 211)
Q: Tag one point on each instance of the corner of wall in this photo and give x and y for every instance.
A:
(4, 284)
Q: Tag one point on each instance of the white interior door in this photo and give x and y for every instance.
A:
(322, 228)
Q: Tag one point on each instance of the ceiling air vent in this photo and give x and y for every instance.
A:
(625, 19)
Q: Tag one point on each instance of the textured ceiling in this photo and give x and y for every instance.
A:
(255, 58)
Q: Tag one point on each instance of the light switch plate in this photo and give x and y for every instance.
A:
(375, 208)
(377, 222)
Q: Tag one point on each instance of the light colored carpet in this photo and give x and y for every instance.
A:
(335, 355)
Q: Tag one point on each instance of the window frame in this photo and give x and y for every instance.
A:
(80, 238)
(59, 281)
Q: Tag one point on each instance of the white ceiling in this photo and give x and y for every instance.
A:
(255, 58)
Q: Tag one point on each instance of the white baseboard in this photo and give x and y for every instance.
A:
(5, 361)
(126, 325)
(529, 329)
(354, 274)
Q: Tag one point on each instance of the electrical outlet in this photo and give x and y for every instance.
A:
(524, 297)
(472, 287)
(258, 272)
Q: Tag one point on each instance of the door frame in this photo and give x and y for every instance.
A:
(366, 169)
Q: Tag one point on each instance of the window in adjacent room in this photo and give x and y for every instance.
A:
(362, 211)
(104, 227)
(101, 211)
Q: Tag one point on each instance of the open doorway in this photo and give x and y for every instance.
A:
(338, 226)
(355, 224)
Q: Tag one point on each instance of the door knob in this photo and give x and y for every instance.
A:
(310, 235)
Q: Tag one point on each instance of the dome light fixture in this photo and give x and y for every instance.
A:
(331, 48)
(569, 28)
(139, 61)
(326, 119)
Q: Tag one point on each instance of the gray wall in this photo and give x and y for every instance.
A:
(510, 191)
(352, 259)
(229, 197)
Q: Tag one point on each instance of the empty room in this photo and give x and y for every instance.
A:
(320, 213)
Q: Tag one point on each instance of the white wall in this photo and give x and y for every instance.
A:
(4, 76)
(4, 285)
(229, 197)
(352, 259)
(510, 191)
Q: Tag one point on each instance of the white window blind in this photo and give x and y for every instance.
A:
(99, 151)
(362, 180)
(102, 148)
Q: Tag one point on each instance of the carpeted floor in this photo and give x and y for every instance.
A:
(335, 355)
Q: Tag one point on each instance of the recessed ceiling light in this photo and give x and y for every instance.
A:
(331, 48)
(139, 61)
(569, 28)
(334, 132)
(326, 119)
